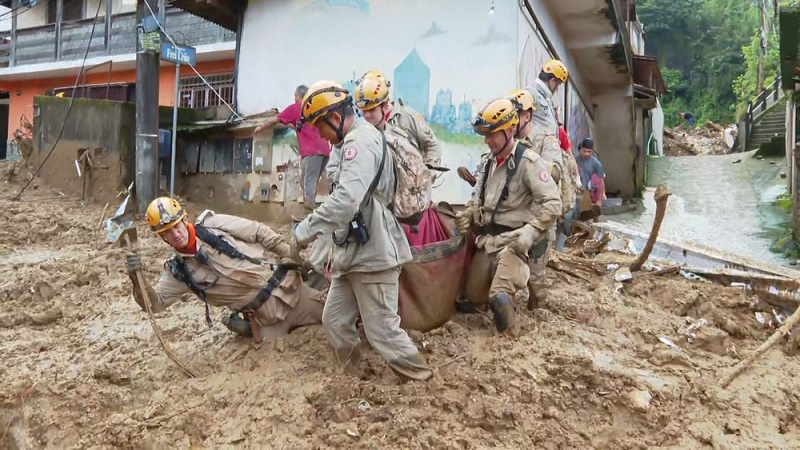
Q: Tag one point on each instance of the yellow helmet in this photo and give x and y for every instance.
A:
(322, 97)
(371, 91)
(376, 74)
(164, 213)
(497, 115)
(557, 69)
(523, 100)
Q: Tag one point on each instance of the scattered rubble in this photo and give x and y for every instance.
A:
(708, 139)
(82, 368)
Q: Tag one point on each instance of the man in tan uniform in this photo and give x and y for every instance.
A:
(517, 203)
(547, 146)
(369, 243)
(220, 259)
(418, 131)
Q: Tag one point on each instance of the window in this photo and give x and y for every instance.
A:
(196, 94)
(72, 10)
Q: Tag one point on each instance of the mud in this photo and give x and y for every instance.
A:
(695, 141)
(82, 368)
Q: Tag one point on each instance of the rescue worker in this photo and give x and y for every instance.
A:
(553, 74)
(546, 145)
(400, 115)
(369, 243)
(516, 204)
(414, 181)
(219, 258)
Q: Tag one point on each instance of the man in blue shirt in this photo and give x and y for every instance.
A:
(591, 172)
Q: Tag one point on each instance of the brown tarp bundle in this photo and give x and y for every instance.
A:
(430, 284)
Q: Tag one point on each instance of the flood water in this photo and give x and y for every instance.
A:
(717, 202)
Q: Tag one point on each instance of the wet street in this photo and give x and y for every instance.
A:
(718, 202)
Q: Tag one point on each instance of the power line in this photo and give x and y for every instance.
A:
(71, 102)
(192, 66)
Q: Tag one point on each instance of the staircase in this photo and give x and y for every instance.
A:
(766, 116)
(772, 123)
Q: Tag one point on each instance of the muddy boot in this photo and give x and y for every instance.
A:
(347, 362)
(537, 295)
(503, 309)
(464, 305)
(413, 368)
(238, 325)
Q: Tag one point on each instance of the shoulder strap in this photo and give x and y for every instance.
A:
(221, 245)
(377, 178)
(177, 268)
(511, 169)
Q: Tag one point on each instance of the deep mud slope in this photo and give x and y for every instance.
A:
(82, 368)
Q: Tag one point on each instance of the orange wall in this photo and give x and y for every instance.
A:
(22, 92)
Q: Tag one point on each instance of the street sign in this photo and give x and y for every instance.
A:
(178, 54)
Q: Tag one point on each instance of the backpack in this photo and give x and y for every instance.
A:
(413, 179)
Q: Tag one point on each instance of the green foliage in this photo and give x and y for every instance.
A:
(706, 49)
(746, 85)
(465, 139)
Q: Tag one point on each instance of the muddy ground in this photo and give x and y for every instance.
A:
(82, 368)
(694, 141)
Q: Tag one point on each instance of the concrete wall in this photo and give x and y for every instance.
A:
(615, 140)
(94, 124)
(264, 184)
(104, 125)
(22, 92)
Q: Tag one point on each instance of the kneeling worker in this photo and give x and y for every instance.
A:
(514, 205)
(220, 260)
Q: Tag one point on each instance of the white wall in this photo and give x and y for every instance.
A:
(34, 17)
(468, 51)
(5, 23)
(550, 28)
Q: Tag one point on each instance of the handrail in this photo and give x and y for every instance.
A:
(758, 105)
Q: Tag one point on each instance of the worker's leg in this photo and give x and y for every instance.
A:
(377, 300)
(339, 319)
(511, 276)
(479, 278)
(537, 284)
(312, 166)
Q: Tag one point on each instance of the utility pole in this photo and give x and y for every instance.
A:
(147, 64)
(762, 47)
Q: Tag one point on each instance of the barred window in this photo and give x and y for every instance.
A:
(196, 94)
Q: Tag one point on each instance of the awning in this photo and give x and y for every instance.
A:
(646, 73)
(221, 12)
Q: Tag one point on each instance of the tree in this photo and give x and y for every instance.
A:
(707, 43)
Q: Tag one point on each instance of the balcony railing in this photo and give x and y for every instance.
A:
(47, 43)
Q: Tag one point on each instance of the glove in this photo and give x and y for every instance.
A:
(133, 263)
(295, 247)
(521, 240)
(465, 219)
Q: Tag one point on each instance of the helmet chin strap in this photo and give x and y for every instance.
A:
(340, 129)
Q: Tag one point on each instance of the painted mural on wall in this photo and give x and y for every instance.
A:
(533, 54)
(579, 123)
(444, 60)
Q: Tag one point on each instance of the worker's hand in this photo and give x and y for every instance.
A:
(465, 219)
(521, 240)
(133, 263)
(295, 247)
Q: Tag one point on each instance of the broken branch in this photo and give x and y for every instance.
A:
(661, 196)
(776, 336)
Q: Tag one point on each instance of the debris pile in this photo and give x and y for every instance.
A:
(708, 139)
(633, 363)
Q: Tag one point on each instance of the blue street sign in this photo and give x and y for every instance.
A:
(178, 54)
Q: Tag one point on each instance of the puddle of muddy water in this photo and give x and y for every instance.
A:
(718, 202)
